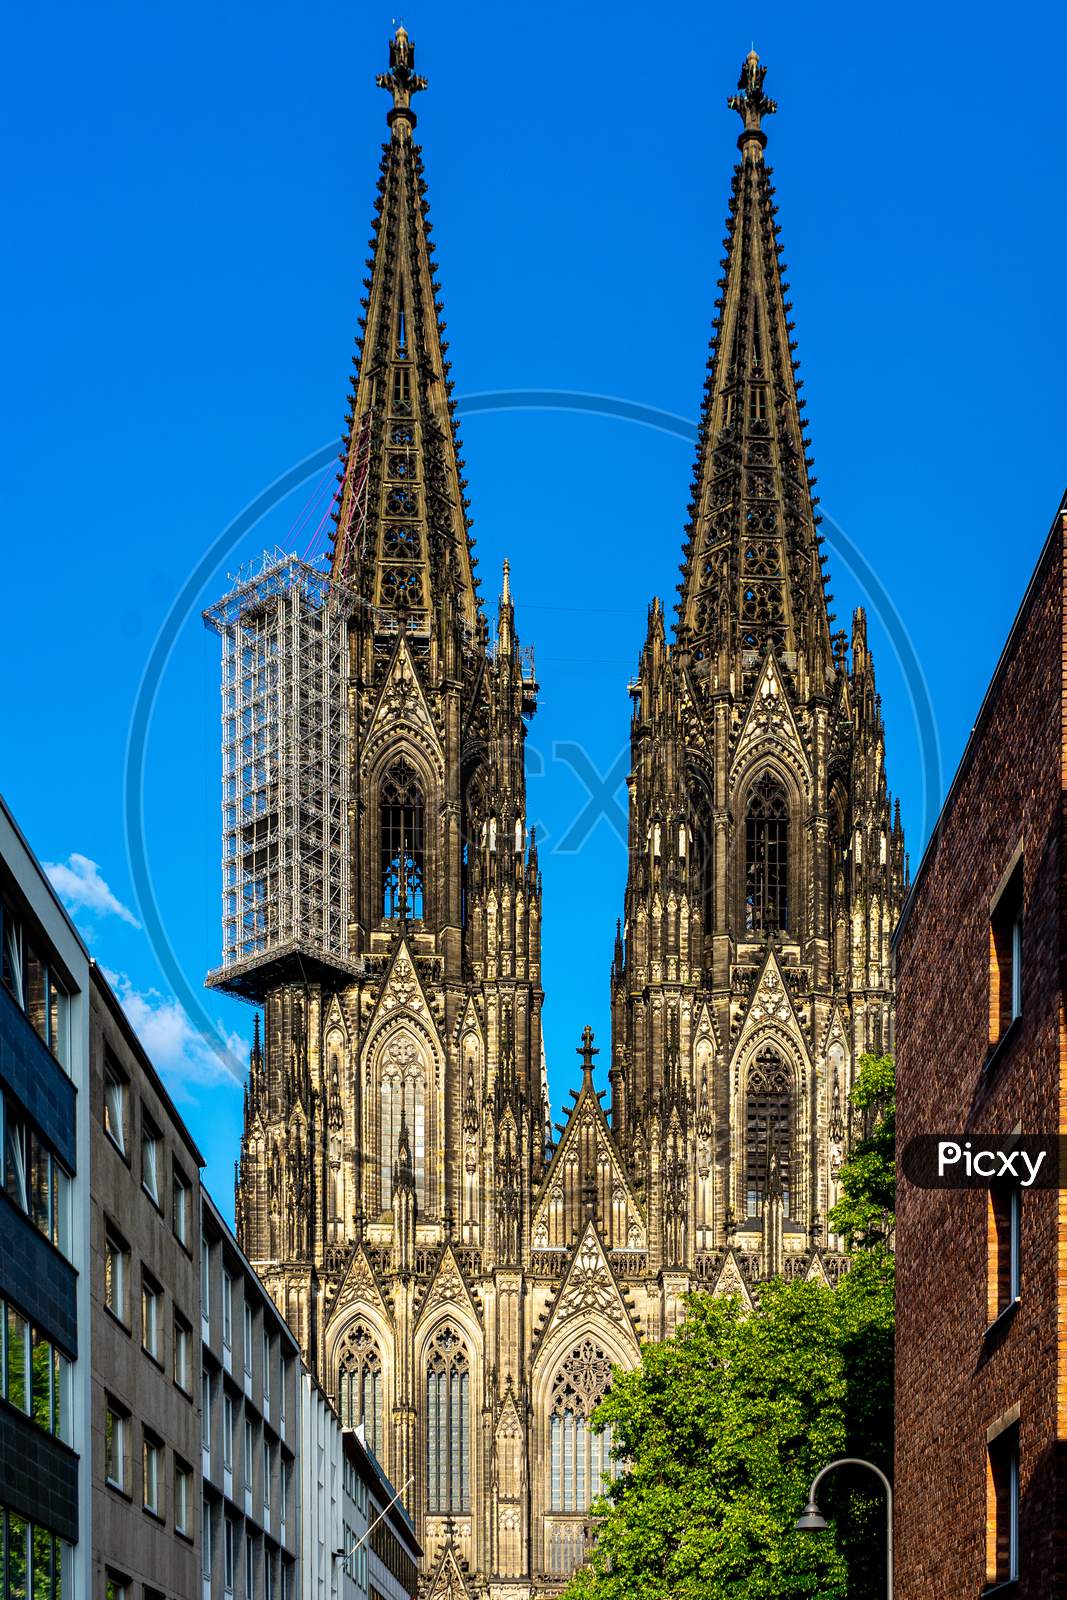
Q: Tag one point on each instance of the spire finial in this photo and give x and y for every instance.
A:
(505, 593)
(752, 105)
(587, 1050)
(401, 80)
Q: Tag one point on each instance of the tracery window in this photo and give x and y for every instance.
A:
(402, 1101)
(448, 1426)
(402, 854)
(580, 1458)
(359, 1385)
(767, 856)
(768, 1128)
(704, 857)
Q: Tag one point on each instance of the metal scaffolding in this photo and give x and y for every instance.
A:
(285, 771)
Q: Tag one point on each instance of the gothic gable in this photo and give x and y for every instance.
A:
(770, 725)
(589, 1295)
(448, 1287)
(731, 1280)
(771, 1011)
(587, 1147)
(402, 707)
(448, 1581)
(402, 995)
(359, 1287)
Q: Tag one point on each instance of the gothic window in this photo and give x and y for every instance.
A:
(580, 1458)
(448, 1444)
(402, 856)
(757, 403)
(767, 857)
(402, 1100)
(359, 1386)
(768, 1129)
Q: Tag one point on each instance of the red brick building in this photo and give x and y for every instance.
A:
(981, 1404)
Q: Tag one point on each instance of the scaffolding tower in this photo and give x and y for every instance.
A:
(285, 775)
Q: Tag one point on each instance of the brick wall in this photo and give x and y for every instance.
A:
(954, 1378)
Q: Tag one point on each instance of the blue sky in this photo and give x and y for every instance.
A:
(188, 198)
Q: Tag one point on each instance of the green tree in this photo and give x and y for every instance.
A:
(721, 1429)
(865, 1215)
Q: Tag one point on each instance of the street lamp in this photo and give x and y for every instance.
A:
(813, 1521)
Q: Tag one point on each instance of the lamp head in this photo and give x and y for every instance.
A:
(812, 1520)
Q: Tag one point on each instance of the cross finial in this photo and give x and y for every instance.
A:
(401, 80)
(752, 105)
(587, 1050)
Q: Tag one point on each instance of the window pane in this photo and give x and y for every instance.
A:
(36, 1000)
(42, 1565)
(18, 1564)
(59, 1022)
(15, 1159)
(18, 1338)
(41, 1382)
(115, 1109)
(62, 1381)
(40, 1185)
(150, 1164)
(61, 1210)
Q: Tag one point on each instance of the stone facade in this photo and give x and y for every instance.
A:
(982, 1366)
(460, 1282)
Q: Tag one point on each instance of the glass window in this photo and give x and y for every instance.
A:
(152, 1462)
(227, 1430)
(205, 1278)
(61, 1203)
(182, 1353)
(16, 1141)
(12, 955)
(183, 1489)
(227, 1309)
(151, 1159)
(205, 1410)
(17, 1360)
(448, 1425)
(115, 1096)
(180, 1201)
(151, 1318)
(228, 1557)
(36, 991)
(1006, 957)
(767, 857)
(248, 1453)
(59, 1021)
(115, 1265)
(248, 1337)
(115, 1424)
(1002, 1520)
(41, 1381)
(18, 1558)
(62, 1398)
(40, 1184)
(266, 1367)
(207, 1542)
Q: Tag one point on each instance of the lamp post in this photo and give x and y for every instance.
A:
(813, 1521)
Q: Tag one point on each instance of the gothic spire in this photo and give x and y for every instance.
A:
(752, 574)
(402, 539)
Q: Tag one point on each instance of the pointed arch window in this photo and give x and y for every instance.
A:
(402, 1100)
(448, 1475)
(767, 856)
(359, 1386)
(580, 1457)
(703, 860)
(768, 1129)
(402, 849)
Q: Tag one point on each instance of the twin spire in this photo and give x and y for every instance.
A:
(752, 576)
(402, 539)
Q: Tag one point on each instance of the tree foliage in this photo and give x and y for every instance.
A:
(721, 1429)
(865, 1215)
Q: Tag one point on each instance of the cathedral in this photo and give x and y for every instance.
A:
(462, 1282)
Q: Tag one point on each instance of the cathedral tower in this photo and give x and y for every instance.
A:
(766, 867)
(462, 1285)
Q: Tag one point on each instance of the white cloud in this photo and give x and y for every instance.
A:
(177, 1049)
(79, 884)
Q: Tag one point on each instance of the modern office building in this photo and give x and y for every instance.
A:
(357, 1541)
(981, 1422)
(250, 1398)
(44, 1235)
(145, 1189)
